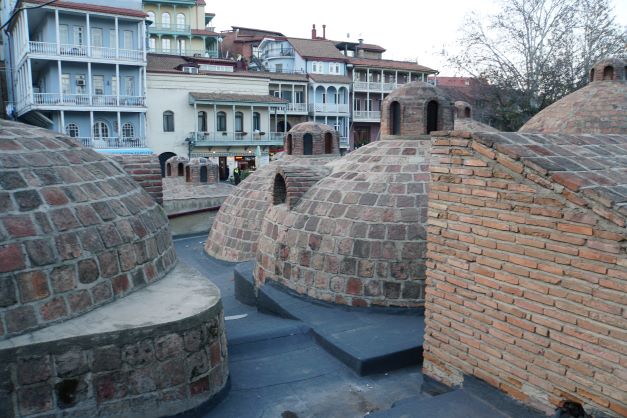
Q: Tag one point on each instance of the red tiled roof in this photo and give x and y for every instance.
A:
(232, 97)
(204, 32)
(200, 3)
(324, 78)
(316, 48)
(390, 64)
(91, 8)
(370, 47)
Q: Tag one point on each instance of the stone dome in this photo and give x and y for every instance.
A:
(357, 236)
(311, 138)
(76, 232)
(598, 108)
(175, 166)
(463, 110)
(235, 230)
(414, 109)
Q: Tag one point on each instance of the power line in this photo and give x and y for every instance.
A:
(24, 8)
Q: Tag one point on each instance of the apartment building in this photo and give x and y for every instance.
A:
(80, 68)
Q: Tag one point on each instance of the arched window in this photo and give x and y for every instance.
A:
(151, 17)
(591, 75)
(608, 73)
(128, 131)
(165, 20)
(467, 112)
(166, 167)
(239, 122)
(180, 21)
(328, 143)
(168, 121)
(288, 144)
(221, 122)
(279, 193)
(71, 130)
(432, 116)
(101, 130)
(395, 118)
(307, 144)
(256, 121)
(202, 121)
(180, 170)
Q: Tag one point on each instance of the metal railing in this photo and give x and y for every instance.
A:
(70, 50)
(366, 114)
(278, 53)
(98, 100)
(112, 142)
(169, 27)
(297, 107)
(375, 86)
(329, 108)
(243, 138)
(187, 52)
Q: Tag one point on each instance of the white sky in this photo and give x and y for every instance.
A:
(408, 30)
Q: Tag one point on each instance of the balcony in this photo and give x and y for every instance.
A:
(297, 108)
(112, 142)
(206, 53)
(170, 28)
(54, 50)
(58, 99)
(367, 115)
(278, 53)
(328, 108)
(376, 86)
(229, 138)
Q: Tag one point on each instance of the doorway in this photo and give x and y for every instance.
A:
(395, 118)
(432, 116)
(307, 144)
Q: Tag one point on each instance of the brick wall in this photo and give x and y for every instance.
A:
(145, 170)
(527, 270)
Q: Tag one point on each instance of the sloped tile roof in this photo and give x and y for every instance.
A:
(316, 48)
(91, 8)
(232, 97)
(324, 78)
(390, 64)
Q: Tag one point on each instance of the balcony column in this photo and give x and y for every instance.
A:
(91, 125)
(29, 86)
(293, 95)
(62, 126)
(215, 120)
(409, 77)
(117, 39)
(88, 34)
(269, 122)
(285, 120)
(252, 122)
(382, 80)
(196, 124)
(175, 23)
(119, 127)
(395, 78)
(56, 31)
(26, 30)
(233, 121)
(117, 84)
(59, 69)
(89, 84)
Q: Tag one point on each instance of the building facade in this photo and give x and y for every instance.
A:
(181, 27)
(80, 68)
(207, 110)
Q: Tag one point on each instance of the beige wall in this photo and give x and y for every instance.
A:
(194, 16)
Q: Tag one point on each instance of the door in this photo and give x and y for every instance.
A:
(224, 170)
(307, 144)
(128, 39)
(96, 42)
(363, 136)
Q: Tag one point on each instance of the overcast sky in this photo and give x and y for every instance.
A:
(408, 30)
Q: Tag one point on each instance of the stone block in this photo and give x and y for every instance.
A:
(35, 399)
(71, 363)
(27, 200)
(40, 252)
(8, 295)
(53, 309)
(11, 258)
(32, 370)
(168, 346)
(107, 358)
(88, 271)
(32, 286)
(139, 354)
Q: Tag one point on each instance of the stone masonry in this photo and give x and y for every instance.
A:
(527, 266)
(145, 170)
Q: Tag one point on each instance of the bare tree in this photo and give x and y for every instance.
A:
(533, 52)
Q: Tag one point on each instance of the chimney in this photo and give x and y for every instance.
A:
(324, 31)
(361, 41)
(313, 32)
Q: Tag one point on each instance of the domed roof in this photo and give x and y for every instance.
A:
(463, 110)
(416, 90)
(598, 108)
(200, 161)
(357, 236)
(76, 231)
(311, 127)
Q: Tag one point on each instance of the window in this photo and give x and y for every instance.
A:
(96, 37)
(221, 122)
(334, 68)
(278, 68)
(180, 21)
(298, 97)
(168, 121)
(256, 121)
(324, 97)
(181, 46)
(165, 45)
(239, 122)
(152, 44)
(151, 17)
(165, 20)
(80, 83)
(72, 131)
(65, 84)
(202, 121)
(317, 67)
(98, 82)
(128, 40)
(101, 130)
(63, 34)
(112, 39)
(128, 131)
(78, 35)
(129, 85)
(114, 85)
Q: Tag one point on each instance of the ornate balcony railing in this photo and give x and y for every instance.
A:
(97, 100)
(366, 115)
(112, 142)
(237, 138)
(328, 108)
(97, 52)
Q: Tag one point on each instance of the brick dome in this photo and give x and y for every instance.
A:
(356, 236)
(463, 110)
(598, 108)
(416, 109)
(311, 138)
(76, 232)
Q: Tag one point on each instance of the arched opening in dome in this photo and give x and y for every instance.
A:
(328, 143)
(591, 75)
(188, 174)
(169, 171)
(432, 116)
(283, 127)
(608, 73)
(163, 157)
(203, 174)
(467, 112)
(395, 118)
(279, 192)
(289, 144)
(180, 169)
(307, 144)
